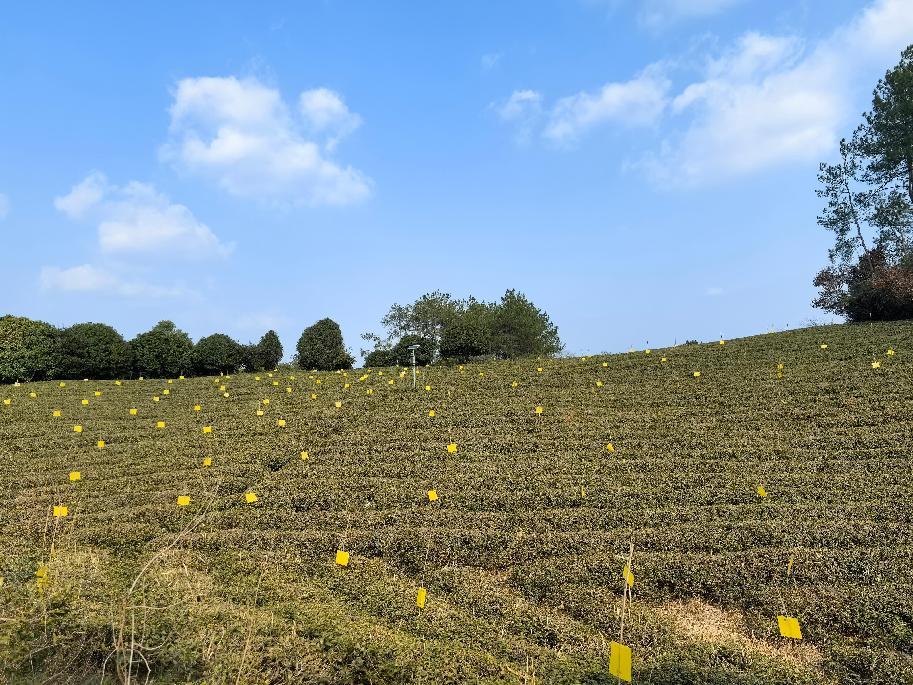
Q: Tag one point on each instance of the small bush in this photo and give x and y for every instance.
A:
(161, 352)
(215, 354)
(93, 350)
(28, 349)
(321, 347)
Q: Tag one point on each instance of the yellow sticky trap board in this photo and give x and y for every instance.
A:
(250, 497)
(628, 575)
(582, 491)
(259, 412)
(56, 413)
(648, 351)
(337, 404)
(391, 382)
(222, 388)
(431, 413)
(224, 394)
(620, 661)
(117, 383)
(63, 385)
(280, 423)
(610, 447)
(539, 369)
(876, 364)
(75, 475)
(141, 378)
(207, 461)
(133, 412)
(60, 511)
(160, 424)
(452, 447)
(369, 392)
(170, 381)
(98, 393)
(762, 492)
(890, 352)
(304, 455)
(84, 402)
(789, 627)
(421, 597)
(266, 401)
(33, 395)
(313, 396)
(605, 364)
(183, 500)
(155, 399)
(722, 342)
(427, 388)
(207, 429)
(197, 407)
(289, 390)
(663, 360)
(270, 375)
(481, 373)
(100, 444)
(166, 391)
(77, 429)
(432, 495)
(538, 410)
(514, 384)
(824, 346)
(7, 402)
(696, 374)
(342, 558)
(598, 384)
(180, 378)
(256, 378)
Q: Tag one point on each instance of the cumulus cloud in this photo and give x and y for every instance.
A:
(659, 13)
(771, 100)
(4, 206)
(637, 102)
(137, 218)
(242, 134)
(87, 278)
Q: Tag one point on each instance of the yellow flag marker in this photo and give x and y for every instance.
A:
(452, 447)
(432, 495)
(761, 491)
(337, 404)
(421, 597)
(132, 412)
(77, 429)
(539, 410)
(259, 412)
(60, 510)
(101, 444)
(160, 424)
(84, 402)
(620, 661)
(431, 413)
(98, 393)
(280, 423)
(610, 448)
(183, 500)
(628, 575)
(696, 374)
(250, 497)
(789, 627)
(304, 455)
(56, 413)
(75, 475)
(890, 352)
(876, 364)
(207, 429)
(197, 407)
(207, 461)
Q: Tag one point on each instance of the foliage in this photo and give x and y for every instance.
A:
(321, 347)
(520, 329)
(161, 352)
(869, 209)
(265, 355)
(424, 355)
(214, 354)
(379, 358)
(28, 349)
(425, 318)
(93, 350)
(470, 335)
(522, 568)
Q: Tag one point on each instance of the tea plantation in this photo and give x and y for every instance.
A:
(203, 536)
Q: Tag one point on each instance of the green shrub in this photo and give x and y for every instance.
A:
(214, 354)
(520, 329)
(161, 352)
(93, 350)
(265, 355)
(379, 358)
(424, 355)
(28, 349)
(321, 347)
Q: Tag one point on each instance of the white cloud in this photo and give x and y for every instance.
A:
(4, 206)
(88, 278)
(490, 60)
(658, 13)
(242, 134)
(520, 104)
(770, 101)
(637, 102)
(138, 218)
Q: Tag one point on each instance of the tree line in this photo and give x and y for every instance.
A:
(869, 208)
(445, 328)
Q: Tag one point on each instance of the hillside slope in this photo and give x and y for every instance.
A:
(522, 551)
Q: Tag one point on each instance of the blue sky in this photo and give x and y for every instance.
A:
(644, 171)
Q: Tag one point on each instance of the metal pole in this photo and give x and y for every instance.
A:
(413, 369)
